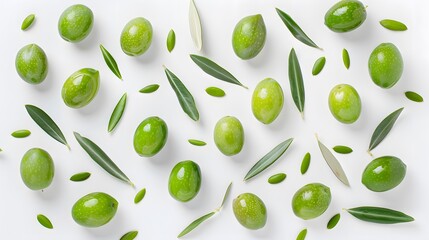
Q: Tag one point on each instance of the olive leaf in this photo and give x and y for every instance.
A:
(149, 88)
(383, 129)
(346, 58)
(413, 96)
(318, 66)
(333, 163)
(44, 221)
(28, 21)
(101, 158)
(186, 99)
(215, 92)
(295, 29)
(79, 177)
(302, 234)
(277, 178)
(195, 26)
(333, 221)
(171, 40)
(268, 159)
(379, 215)
(342, 149)
(305, 164)
(21, 133)
(117, 113)
(393, 25)
(46, 123)
(129, 235)
(214, 70)
(196, 142)
(140, 195)
(296, 82)
(111, 62)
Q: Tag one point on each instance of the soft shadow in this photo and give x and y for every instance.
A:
(110, 229)
(167, 155)
(91, 41)
(152, 53)
(96, 104)
(362, 34)
(262, 58)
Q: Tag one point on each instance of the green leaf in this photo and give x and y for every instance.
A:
(346, 58)
(171, 40)
(195, 26)
(195, 224)
(383, 129)
(393, 25)
(214, 70)
(318, 66)
(333, 163)
(333, 221)
(296, 82)
(28, 21)
(129, 235)
(117, 113)
(44, 221)
(295, 29)
(186, 100)
(139, 196)
(277, 178)
(268, 159)
(196, 142)
(21, 133)
(46, 123)
(79, 177)
(215, 92)
(225, 196)
(101, 158)
(302, 234)
(149, 88)
(305, 164)
(110, 61)
(342, 149)
(413, 96)
(379, 215)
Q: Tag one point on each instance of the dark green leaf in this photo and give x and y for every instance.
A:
(296, 82)
(296, 31)
(117, 113)
(268, 159)
(101, 158)
(171, 40)
(225, 196)
(215, 92)
(21, 133)
(277, 178)
(110, 61)
(383, 129)
(342, 149)
(79, 177)
(149, 88)
(346, 58)
(333, 221)
(28, 21)
(413, 96)
(186, 100)
(333, 163)
(44, 221)
(379, 215)
(129, 235)
(195, 224)
(213, 69)
(139, 196)
(46, 123)
(302, 234)
(393, 25)
(197, 142)
(318, 66)
(305, 164)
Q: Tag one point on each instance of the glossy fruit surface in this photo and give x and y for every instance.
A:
(345, 16)
(267, 100)
(185, 181)
(385, 65)
(150, 136)
(136, 37)
(250, 211)
(94, 210)
(75, 23)
(248, 37)
(311, 201)
(345, 103)
(81, 88)
(229, 135)
(37, 169)
(384, 173)
(31, 64)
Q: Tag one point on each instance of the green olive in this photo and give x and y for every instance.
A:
(384, 173)
(344, 103)
(81, 87)
(75, 23)
(136, 37)
(267, 100)
(250, 211)
(94, 210)
(311, 201)
(32, 64)
(385, 65)
(345, 16)
(248, 37)
(229, 135)
(37, 169)
(185, 181)
(150, 136)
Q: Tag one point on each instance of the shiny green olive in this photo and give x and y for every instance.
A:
(185, 181)
(385, 65)
(384, 173)
(37, 169)
(31, 64)
(94, 210)
(248, 37)
(136, 37)
(150, 136)
(250, 211)
(345, 103)
(345, 16)
(267, 100)
(75, 23)
(81, 88)
(311, 201)
(229, 135)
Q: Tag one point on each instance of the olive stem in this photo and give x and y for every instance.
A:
(369, 152)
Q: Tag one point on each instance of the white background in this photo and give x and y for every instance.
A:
(159, 216)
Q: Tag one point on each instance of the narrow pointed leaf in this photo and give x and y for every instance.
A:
(295, 29)
(44, 221)
(28, 21)
(21, 133)
(131, 235)
(117, 113)
(384, 128)
(195, 26)
(346, 58)
(196, 142)
(268, 159)
(225, 196)
(333, 163)
(333, 221)
(342, 149)
(379, 215)
(215, 92)
(185, 98)
(277, 178)
(305, 164)
(296, 81)
(302, 234)
(111, 62)
(393, 25)
(149, 88)
(79, 177)
(140, 195)
(214, 70)
(101, 158)
(46, 123)
(413, 96)
(318, 66)
(195, 224)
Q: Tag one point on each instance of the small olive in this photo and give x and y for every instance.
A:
(37, 169)
(150, 136)
(185, 181)
(345, 103)
(267, 100)
(94, 210)
(81, 88)
(136, 37)
(75, 23)
(250, 211)
(32, 64)
(229, 135)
